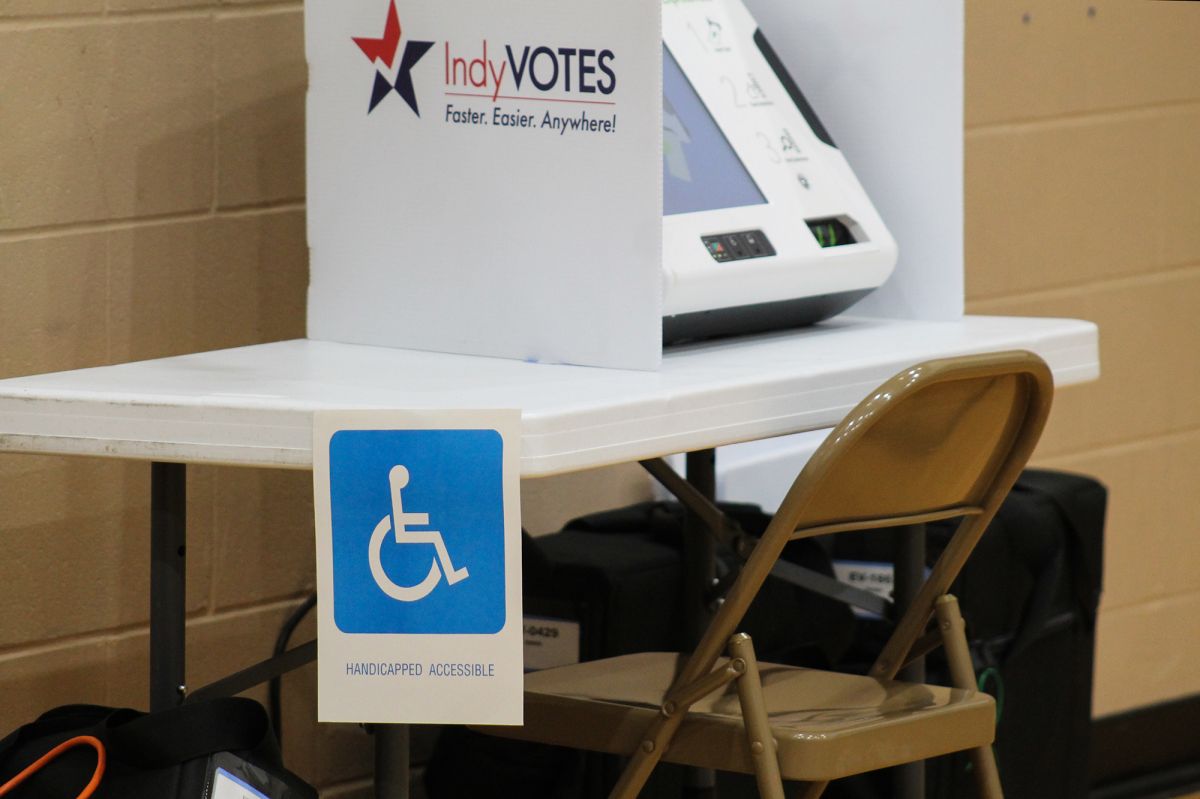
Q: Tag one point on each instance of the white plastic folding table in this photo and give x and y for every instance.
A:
(253, 406)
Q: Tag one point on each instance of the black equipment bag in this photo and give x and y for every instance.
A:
(1029, 595)
(618, 575)
(621, 572)
(172, 754)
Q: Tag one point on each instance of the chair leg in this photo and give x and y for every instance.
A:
(641, 764)
(754, 716)
(962, 675)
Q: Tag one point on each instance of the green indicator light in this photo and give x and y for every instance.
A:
(831, 232)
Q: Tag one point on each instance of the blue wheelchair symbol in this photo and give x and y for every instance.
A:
(399, 521)
(392, 573)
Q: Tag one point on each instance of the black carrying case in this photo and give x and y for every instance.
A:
(1029, 595)
(619, 574)
(170, 754)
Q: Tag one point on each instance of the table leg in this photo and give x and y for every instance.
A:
(168, 541)
(699, 549)
(699, 572)
(391, 761)
(909, 575)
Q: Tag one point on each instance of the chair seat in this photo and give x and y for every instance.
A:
(826, 725)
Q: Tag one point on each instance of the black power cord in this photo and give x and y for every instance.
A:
(281, 645)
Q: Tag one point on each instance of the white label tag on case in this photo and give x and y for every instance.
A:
(877, 578)
(550, 642)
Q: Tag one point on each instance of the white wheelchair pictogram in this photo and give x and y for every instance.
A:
(399, 522)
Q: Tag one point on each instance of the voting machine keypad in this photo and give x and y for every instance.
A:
(738, 246)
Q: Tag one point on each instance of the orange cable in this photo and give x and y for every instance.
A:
(37, 765)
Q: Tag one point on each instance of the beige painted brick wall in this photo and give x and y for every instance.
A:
(151, 203)
(1082, 173)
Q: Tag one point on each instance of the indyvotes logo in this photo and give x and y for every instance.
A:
(382, 51)
(418, 531)
(531, 85)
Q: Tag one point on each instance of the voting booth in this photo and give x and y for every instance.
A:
(590, 184)
(584, 185)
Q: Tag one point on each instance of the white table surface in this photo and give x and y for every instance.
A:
(253, 406)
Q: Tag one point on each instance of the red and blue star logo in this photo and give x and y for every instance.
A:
(384, 50)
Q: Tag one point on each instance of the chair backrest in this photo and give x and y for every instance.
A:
(942, 439)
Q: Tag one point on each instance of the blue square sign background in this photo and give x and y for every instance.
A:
(456, 477)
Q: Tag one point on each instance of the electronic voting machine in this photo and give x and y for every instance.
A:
(764, 224)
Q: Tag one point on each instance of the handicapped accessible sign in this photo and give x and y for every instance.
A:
(406, 506)
(418, 566)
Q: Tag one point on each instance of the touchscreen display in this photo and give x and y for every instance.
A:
(701, 172)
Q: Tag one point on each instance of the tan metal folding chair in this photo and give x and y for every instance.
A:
(940, 440)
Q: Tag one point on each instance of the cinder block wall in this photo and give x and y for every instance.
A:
(151, 203)
(1083, 200)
